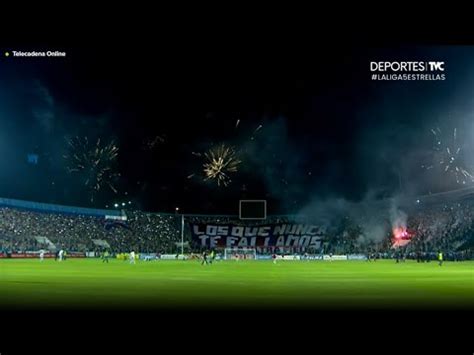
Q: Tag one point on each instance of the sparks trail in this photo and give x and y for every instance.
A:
(95, 163)
(257, 129)
(447, 154)
(220, 162)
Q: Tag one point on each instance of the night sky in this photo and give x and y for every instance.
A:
(327, 131)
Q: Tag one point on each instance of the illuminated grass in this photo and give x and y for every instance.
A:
(90, 284)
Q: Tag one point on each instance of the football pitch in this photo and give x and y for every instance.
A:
(164, 284)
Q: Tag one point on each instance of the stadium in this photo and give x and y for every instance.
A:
(328, 189)
(299, 265)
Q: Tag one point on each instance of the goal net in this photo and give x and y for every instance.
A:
(240, 253)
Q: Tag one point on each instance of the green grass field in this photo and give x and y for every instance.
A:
(90, 284)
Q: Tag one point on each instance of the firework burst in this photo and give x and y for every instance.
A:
(448, 156)
(219, 163)
(95, 162)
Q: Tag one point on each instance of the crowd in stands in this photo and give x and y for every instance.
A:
(141, 231)
(146, 232)
(447, 227)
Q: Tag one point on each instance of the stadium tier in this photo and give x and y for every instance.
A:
(446, 226)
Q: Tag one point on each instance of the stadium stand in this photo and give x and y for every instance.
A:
(26, 226)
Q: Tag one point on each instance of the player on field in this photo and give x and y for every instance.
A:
(132, 257)
(41, 255)
(440, 258)
(105, 257)
(204, 258)
(212, 256)
(61, 255)
(274, 257)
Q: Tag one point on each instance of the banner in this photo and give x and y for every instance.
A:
(269, 235)
(148, 256)
(291, 257)
(117, 218)
(29, 255)
(170, 257)
(356, 257)
(75, 254)
(335, 257)
(312, 257)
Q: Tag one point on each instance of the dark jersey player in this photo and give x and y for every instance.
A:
(204, 258)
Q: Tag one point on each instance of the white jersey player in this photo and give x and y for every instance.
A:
(41, 255)
(132, 257)
(61, 255)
